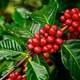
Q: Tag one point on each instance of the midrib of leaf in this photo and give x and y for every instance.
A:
(72, 56)
(33, 69)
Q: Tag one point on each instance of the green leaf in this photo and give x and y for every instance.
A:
(70, 54)
(10, 44)
(36, 71)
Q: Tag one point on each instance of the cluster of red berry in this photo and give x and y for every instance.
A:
(47, 40)
(16, 76)
(71, 18)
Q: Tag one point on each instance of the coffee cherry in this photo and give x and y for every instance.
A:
(52, 50)
(79, 28)
(67, 11)
(75, 24)
(49, 61)
(68, 21)
(49, 46)
(46, 35)
(17, 74)
(37, 36)
(62, 18)
(46, 55)
(71, 29)
(50, 39)
(67, 15)
(45, 49)
(9, 79)
(37, 50)
(41, 31)
(24, 77)
(30, 46)
(35, 41)
(74, 11)
(30, 41)
(55, 47)
(59, 41)
(47, 27)
(55, 26)
(59, 33)
(19, 77)
(75, 16)
(43, 42)
(52, 31)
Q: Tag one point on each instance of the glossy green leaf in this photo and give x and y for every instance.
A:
(36, 71)
(70, 54)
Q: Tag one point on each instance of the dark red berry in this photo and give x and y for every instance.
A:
(37, 50)
(52, 50)
(47, 27)
(59, 41)
(59, 33)
(79, 28)
(17, 74)
(52, 31)
(64, 24)
(62, 18)
(67, 11)
(75, 24)
(49, 61)
(74, 11)
(19, 77)
(9, 79)
(71, 28)
(46, 35)
(50, 39)
(30, 46)
(43, 42)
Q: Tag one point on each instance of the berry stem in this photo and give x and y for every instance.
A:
(64, 28)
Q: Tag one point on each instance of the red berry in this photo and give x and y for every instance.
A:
(52, 50)
(68, 21)
(59, 33)
(79, 28)
(46, 55)
(30, 40)
(24, 77)
(52, 31)
(42, 31)
(19, 77)
(30, 46)
(50, 39)
(9, 79)
(47, 27)
(75, 24)
(59, 41)
(67, 11)
(37, 50)
(75, 17)
(49, 61)
(35, 41)
(45, 49)
(17, 74)
(73, 11)
(55, 47)
(71, 29)
(46, 35)
(37, 35)
(64, 24)
(43, 42)
(49, 46)
(55, 26)
(67, 15)
(62, 18)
